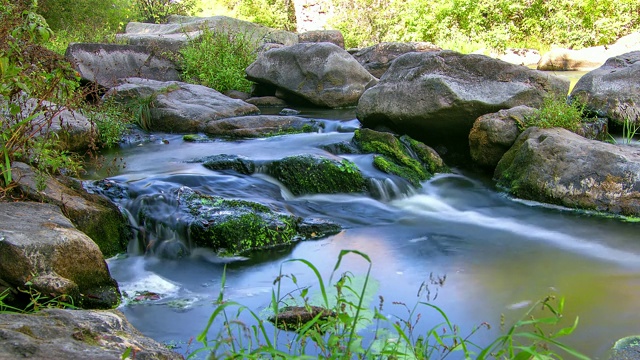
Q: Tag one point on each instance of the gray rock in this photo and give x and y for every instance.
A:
(559, 167)
(51, 254)
(626, 349)
(613, 90)
(493, 134)
(436, 96)
(76, 334)
(315, 36)
(320, 73)
(261, 126)
(237, 163)
(104, 64)
(177, 106)
(588, 58)
(91, 214)
(180, 29)
(377, 58)
(266, 101)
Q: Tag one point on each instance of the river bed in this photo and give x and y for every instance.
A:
(499, 255)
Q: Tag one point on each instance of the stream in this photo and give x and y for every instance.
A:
(499, 255)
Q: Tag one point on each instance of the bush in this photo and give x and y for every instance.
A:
(218, 59)
(157, 11)
(277, 14)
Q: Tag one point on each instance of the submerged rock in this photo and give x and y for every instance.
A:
(404, 157)
(312, 174)
(240, 164)
(436, 96)
(76, 334)
(49, 255)
(626, 349)
(559, 167)
(613, 90)
(294, 317)
(322, 74)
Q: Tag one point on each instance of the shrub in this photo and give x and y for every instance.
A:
(277, 14)
(218, 59)
(157, 11)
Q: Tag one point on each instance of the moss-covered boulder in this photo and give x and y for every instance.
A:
(312, 174)
(236, 226)
(401, 156)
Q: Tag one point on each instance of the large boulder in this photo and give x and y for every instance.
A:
(588, 58)
(322, 74)
(612, 90)
(90, 213)
(377, 58)
(104, 64)
(178, 107)
(436, 96)
(559, 167)
(312, 174)
(76, 334)
(261, 126)
(493, 134)
(41, 249)
(181, 29)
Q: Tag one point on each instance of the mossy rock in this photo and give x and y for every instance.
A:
(404, 157)
(626, 349)
(240, 164)
(235, 226)
(311, 174)
(295, 317)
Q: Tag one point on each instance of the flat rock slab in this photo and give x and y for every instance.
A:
(179, 107)
(75, 334)
(104, 64)
(261, 126)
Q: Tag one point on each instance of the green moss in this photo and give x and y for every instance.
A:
(404, 157)
(195, 138)
(383, 164)
(237, 226)
(307, 174)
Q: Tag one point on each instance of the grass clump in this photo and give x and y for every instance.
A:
(337, 319)
(218, 59)
(556, 112)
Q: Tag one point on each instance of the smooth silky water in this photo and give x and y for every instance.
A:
(499, 255)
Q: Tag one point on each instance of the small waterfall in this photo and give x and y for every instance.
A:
(388, 189)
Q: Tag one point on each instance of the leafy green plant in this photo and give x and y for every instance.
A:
(531, 338)
(218, 59)
(112, 121)
(36, 302)
(278, 14)
(140, 108)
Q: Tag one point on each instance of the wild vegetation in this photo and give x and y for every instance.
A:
(337, 319)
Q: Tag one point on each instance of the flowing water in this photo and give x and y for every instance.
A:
(499, 255)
